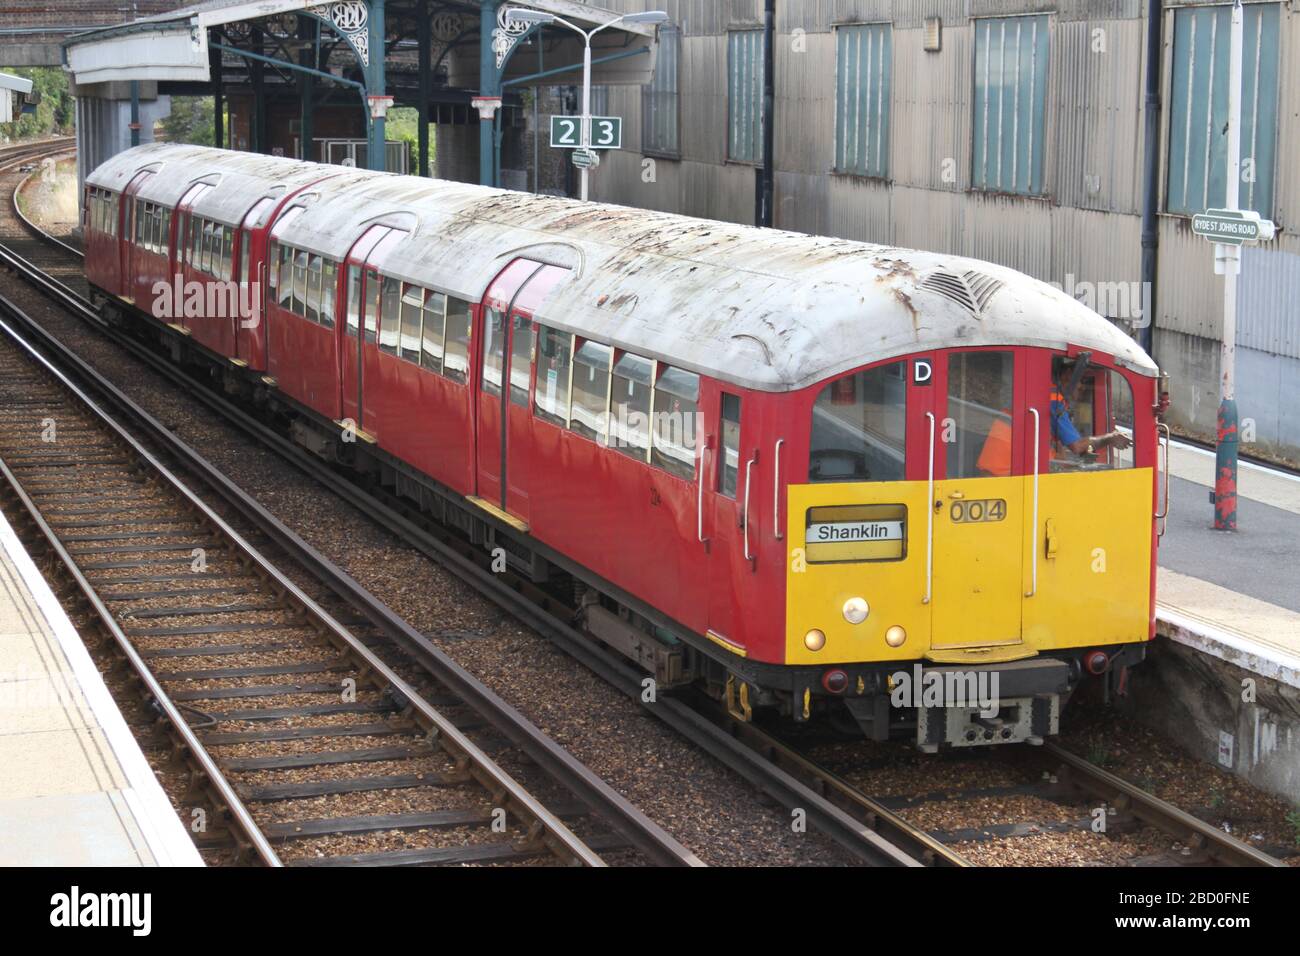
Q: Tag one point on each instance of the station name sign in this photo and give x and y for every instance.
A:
(1232, 227)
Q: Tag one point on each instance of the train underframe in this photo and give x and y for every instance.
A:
(864, 699)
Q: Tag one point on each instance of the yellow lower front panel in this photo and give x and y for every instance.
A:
(1094, 559)
(822, 575)
(870, 541)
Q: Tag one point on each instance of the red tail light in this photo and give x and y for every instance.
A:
(1096, 662)
(836, 681)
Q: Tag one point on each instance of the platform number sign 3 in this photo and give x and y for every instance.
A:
(606, 132)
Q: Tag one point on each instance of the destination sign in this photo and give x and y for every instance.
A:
(837, 534)
(854, 531)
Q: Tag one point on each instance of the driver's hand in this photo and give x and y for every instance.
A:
(1121, 441)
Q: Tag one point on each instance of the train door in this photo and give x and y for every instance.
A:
(499, 315)
(128, 250)
(978, 544)
(184, 217)
(722, 472)
(248, 316)
(518, 408)
(362, 289)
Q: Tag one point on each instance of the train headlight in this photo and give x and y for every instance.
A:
(895, 636)
(856, 610)
(815, 639)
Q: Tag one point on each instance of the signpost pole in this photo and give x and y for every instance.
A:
(1229, 256)
(586, 112)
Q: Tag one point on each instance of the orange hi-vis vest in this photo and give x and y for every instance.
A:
(995, 457)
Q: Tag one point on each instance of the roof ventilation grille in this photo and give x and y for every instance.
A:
(971, 290)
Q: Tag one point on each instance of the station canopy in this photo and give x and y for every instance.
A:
(175, 47)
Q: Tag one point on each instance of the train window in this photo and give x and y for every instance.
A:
(494, 350)
(313, 288)
(979, 407)
(435, 307)
(273, 265)
(354, 300)
(114, 207)
(456, 359)
(371, 316)
(227, 252)
(591, 364)
(521, 358)
(328, 290)
(630, 406)
(245, 244)
(859, 427)
(286, 279)
(196, 240)
(137, 211)
(554, 363)
(298, 297)
(1099, 413)
(676, 402)
(412, 311)
(205, 261)
(390, 328)
(729, 473)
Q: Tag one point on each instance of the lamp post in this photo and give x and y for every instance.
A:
(541, 19)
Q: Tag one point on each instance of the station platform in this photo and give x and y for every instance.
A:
(75, 788)
(1234, 595)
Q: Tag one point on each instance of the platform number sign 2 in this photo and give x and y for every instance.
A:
(606, 132)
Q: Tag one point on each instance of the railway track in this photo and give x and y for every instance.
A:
(284, 712)
(56, 258)
(870, 827)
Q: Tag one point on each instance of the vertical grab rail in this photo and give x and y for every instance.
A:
(776, 492)
(1033, 586)
(929, 518)
(699, 502)
(1161, 515)
(749, 470)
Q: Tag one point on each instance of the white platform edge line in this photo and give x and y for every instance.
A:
(1234, 648)
(161, 828)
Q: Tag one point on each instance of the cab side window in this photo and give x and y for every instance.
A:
(729, 472)
(859, 427)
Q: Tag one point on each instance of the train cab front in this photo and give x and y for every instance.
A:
(974, 539)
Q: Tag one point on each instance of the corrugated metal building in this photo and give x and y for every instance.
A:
(1019, 139)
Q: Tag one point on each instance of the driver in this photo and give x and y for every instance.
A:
(1064, 432)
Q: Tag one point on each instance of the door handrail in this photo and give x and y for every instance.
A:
(1161, 515)
(776, 491)
(699, 503)
(749, 471)
(1033, 587)
(929, 518)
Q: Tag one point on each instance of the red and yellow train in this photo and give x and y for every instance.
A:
(804, 472)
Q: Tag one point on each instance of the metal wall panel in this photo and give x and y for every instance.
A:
(1098, 81)
(1267, 295)
(932, 110)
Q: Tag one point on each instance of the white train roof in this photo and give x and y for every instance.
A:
(760, 308)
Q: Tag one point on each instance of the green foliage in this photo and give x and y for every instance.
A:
(403, 123)
(54, 115)
(191, 121)
(1293, 818)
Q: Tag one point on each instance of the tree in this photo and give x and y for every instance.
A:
(191, 121)
(54, 114)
